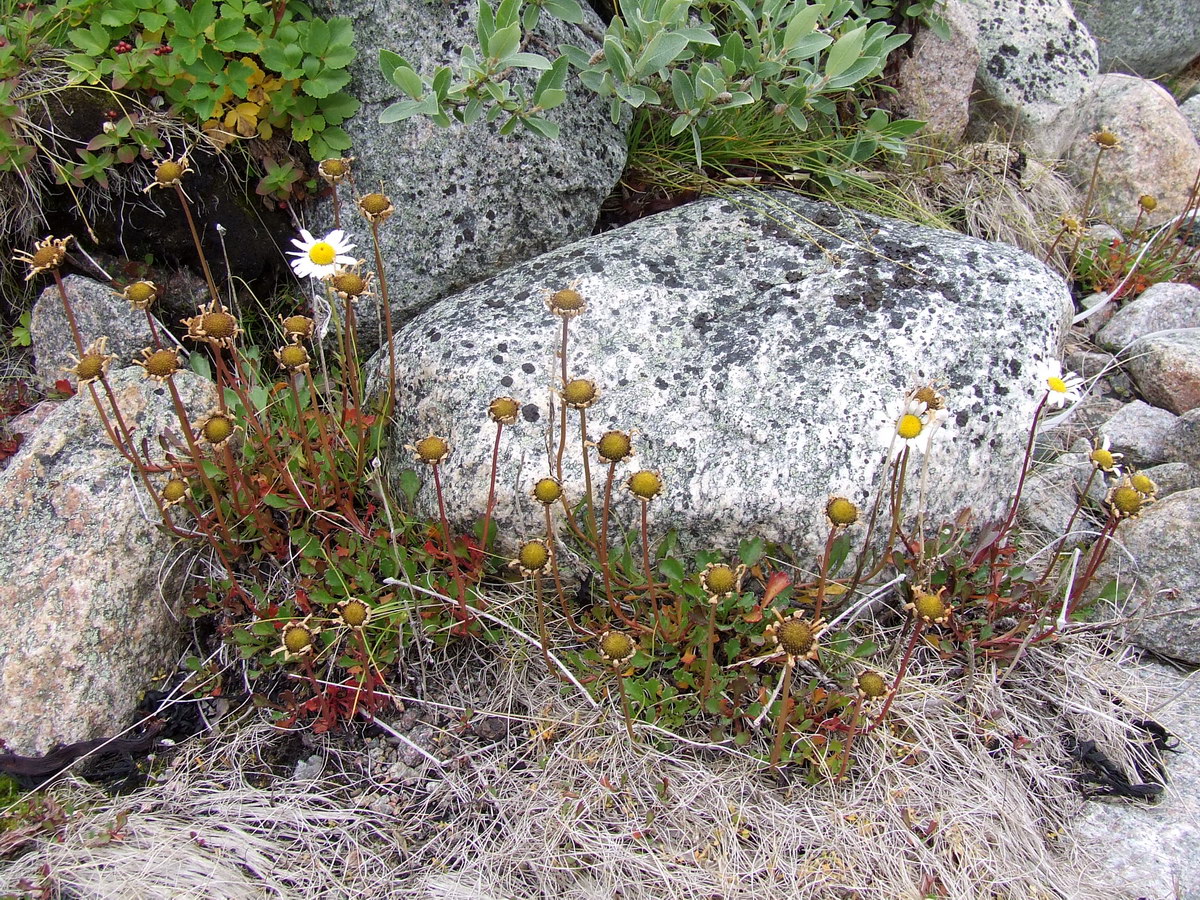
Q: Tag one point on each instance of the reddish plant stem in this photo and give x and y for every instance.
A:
(491, 500)
(785, 703)
(918, 628)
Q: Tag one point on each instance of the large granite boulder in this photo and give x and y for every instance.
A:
(469, 201)
(1037, 61)
(1157, 154)
(1140, 38)
(757, 344)
(1165, 365)
(89, 582)
(1160, 307)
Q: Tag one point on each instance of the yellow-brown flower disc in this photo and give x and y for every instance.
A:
(292, 356)
(504, 410)
(614, 446)
(174, 490)
(718, 579)
(1143, 484)
(168, 172)
(334, 167)
(795, 636)
(616, 646)
(354, 612)
(374, 204)
(579, 393)
(162, 363)
(645, 485)
(841, 512)
(432, 449)
(349, 283)
(1105, 139)
(930, 397)
(1148, 202)
(533, 556)
(298, 326)
(219, 325)
(141, 293)
(567, 302)
(1126, 501)
(871, 685)
(547, 491)
(1102, 459)
(90, 367)
(297, 638)
(929, 607)
(217, 429)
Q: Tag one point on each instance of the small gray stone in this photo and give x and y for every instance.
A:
(99, 312)
(1162, 542)
(1165, 366)
(1037, 62)
(1161, 307)
(81, 570)
(934, 82)
(758, 344)
(1139, 431)
(1191, 112)
(1183, 441)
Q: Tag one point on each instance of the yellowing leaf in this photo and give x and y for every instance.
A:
(243, 119)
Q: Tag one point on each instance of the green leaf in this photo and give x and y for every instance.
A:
(845, 51)
(664, 48)
(276, 502)
(504, 42)
(408, 81)
(618, 59)
(567, 10)
(801, 24)
(530, 17)
(325, 83)
(316, 41)
(544, 127)
(94, 41)
(672, 568)
(699, 36)
(681, 90)
(337, 108)
(527, 61)
(751, 550)
(116, 18)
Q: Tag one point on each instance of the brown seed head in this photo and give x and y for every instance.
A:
(1126, 501)
(1105, 139)
(645, 485)
(292, 357)
(219, 325)
(334, 169)
(617, 647)
(140, 294)
(719, 580)
(217, 428)
(48, 255)
(432, 450)
(580, 393)
(174, 491)
(547, 491)
(297, 639)
(614, 446)
(931, 608)
(376, 207)
(504, 410)
(566, 303)
(159, 364)
(354, 612)
(297, 327)
(871, 685)
(795, 637)
(349, 284)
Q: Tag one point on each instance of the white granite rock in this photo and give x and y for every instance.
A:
(1160, 307)
(1165, 366)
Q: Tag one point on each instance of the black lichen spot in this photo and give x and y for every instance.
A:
(433, 335)
(528, 368)
(661, 384)
(507, 381)
(529, 412)
(497, 358)
(502, 346)
(961, 418)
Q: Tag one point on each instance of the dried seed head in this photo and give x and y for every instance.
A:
(532, 557)
(353, 612)
(930, 608)
(159, 364)
(298, 639)
(432, 450)
(214, 324)
(795, 637)
(504, 410)
(1148, 202)
(48, 255)
(719, 580)
(580, 393)
(140, 294)
(174, 491)
(292, 357)
(335, 169)
(871, 685)
(376, 207)
(615, 446)
(841, 512)
(349, 285)
(94, 363)
(297, 327)
(617, 647)
(217, 428)
(1143, 484)
(1105, 139)
(1125, 501)
(168, 172)
(645, 485)
(566, 303)
(547, 491)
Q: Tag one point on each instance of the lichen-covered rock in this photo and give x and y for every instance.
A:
(99, 312)
(935, 80)
(1139, 38)
(1165, 579)
(757, 344)
(87, 585)
(1183, 441)
(1190, 108)
(1139, 432)
(1165, 366)
(1157, 155)
(469, 201)
(1160, 307)
(1037, 61)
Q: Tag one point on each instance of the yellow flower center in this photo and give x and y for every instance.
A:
(301, 325)
(162, 363)
(547, 490)
(533, 555)
(930, 607)
(614, 446)
(616, 646)
(174, 490)
(579, 392)
(566, 300)
(220, 325)
(1057, 385)
(349, 283)
(354, 613)
(645, 484)
(297, 639)
(168, 172)
(1143, 484)
(293, 356)
(1127, 501)
(1103, 459)
(374, 204)
(719, 579)
(503, 410)
(322, 253)
(90, 367)
(47, 258)
(841, 511)
(333, 166)
(141, 292)
(795, 637)
(909, 426)
(432, 449)
(872, 685)
(218, 429)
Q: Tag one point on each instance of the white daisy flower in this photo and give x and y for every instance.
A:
(912, 426)
(320, 258)
(1061, 388)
